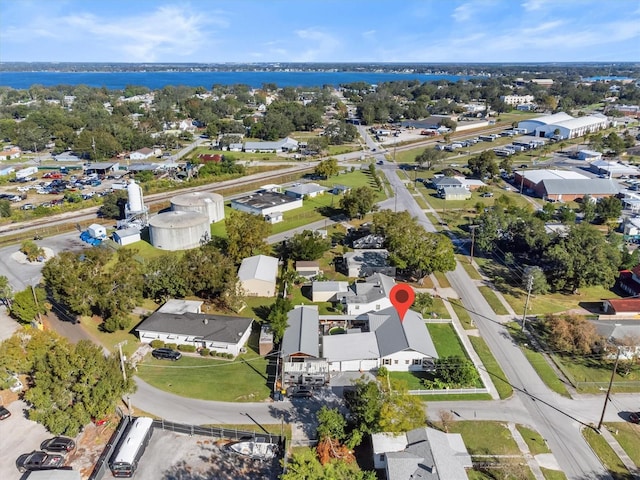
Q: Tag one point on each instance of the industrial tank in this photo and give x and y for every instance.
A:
(134, 194)
(178, 230)
(209, 204)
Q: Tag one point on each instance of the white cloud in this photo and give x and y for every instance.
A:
(369, 34)
(463, 13)
(533, 5)
(322, 45)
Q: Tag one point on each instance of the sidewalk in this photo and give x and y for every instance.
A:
(626, 460)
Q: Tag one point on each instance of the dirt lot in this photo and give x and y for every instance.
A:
(173, 456)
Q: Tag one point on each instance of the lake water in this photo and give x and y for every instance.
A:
(157, 80)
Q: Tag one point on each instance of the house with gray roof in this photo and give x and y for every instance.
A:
(284, 145)
(328, 291)
(442, 182)
(556, 190)
(180, 324)
(372, 294)
(366, 262)
(305, 190)
(423, 453)
(257, 276)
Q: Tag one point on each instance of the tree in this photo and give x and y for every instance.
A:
(423, 303)
(571, 334)
(304, 465)
(246, 235)
(365, 403)
(307, 245)
(5, 208)
(539, 285)
(210, 274)
(28, 304)
(113, 204)
(609, 208)
(6, 291)
(331, 424)
(582, 258)
(278, 317)
(31, 250)
(454, 372)
(358, 202)
(484, 164)
(430, 158)
(588, 209)
(166, 277)
(400, 412)
(327, 168)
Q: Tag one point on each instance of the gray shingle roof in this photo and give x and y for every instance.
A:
(260, 267)
(219, 328)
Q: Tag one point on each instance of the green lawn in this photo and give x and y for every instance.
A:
(493, 300)
(544, 371)
(446, 340)
(628, 436)
(462, 314)
(486, 438)
(534, 440)
(442, 279)
(298, 297)
(606, 454)
(587, 369)
(243, 379)
(439, 309)
(470, 269)
(110, 340)
(498, 377)
(553, 474)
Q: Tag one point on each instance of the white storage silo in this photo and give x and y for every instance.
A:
(134, 194)
(209, 204)
(177, 230)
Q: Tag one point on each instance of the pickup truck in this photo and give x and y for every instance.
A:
(39, 461)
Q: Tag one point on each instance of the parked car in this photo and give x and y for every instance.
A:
(58, 444)
(487, 194)
(4, 413)
(166, 354)
(634, 417)
(301, 392)
(39, 461)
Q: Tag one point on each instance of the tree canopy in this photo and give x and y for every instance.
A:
(246, 235)
(307, 245)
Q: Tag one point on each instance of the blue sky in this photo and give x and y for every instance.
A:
(320, 30)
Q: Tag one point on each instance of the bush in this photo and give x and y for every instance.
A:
(157, 343)
(204, 352)
(228, 355)
(187, 348)
(213, 353)
(172, 346)
(116, 322)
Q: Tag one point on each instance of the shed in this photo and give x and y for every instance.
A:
(126, 236)
(258, 276)
(97, 231)
(307, 269)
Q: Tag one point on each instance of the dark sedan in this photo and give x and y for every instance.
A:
(58, 444)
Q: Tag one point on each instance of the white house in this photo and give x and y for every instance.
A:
(182, 326)
(144, 154)
(370, 295)
(284, 145)
(423, 453)
(328, 291)
(10, 153)
(257, 276)
(305, 190)
(363, 263)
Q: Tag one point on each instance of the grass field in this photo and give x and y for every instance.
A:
(544, 371)
(628, 436)
(553, 474)
(446, 340)
(486, 438)
(534, 440)
(582, 371)
(110, 340)
(439, 309)
(462, 314)
(493, 300)
(498, 377)
(442, 279)
(470, 269)
(606, 454)
(243, 379)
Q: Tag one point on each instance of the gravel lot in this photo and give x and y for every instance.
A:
(173, 456)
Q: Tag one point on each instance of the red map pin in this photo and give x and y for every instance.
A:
(402, 297)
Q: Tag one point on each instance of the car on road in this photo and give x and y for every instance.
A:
(58, 444)
(634, 417)
(301, 392)
(39, 461)
(4, 413)
(166, 354)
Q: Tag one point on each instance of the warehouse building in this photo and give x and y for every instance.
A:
(562, 126)
(269, 205)
(564, 185)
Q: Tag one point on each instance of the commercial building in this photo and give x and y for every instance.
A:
(563, 126)
(269, 205)
(258, 275)
(564, 185)
(517, 99)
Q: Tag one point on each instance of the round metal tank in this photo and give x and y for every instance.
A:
(177, 230)
(134, 194)
(209, 204)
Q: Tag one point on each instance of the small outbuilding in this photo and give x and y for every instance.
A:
(126, 236)
(258, 275)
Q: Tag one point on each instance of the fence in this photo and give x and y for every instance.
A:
(449, 391)
(102, 464)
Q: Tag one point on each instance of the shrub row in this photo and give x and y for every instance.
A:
(190, 348)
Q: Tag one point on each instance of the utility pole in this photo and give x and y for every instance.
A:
(606, 398)
(526, 304)
(473, 240)
(124, 372)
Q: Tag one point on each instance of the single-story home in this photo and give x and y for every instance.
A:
(622, 307)
(145, 153)
(364, 263)
(629, 280)
(266, 203)
(631, 229)
(369, 241)
(284, 145)
(446, 182)
(329, 291)
(67, 157)
(305, 190)
(622, 333)
(257, 276)
(424, 453)
(307, 269)
(315, 346)
(221, 333)
(10, 153)
(454, 193)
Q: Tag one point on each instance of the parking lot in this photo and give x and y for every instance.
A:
(171, 455)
